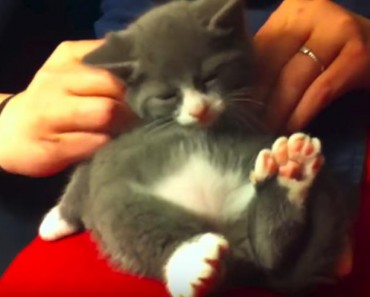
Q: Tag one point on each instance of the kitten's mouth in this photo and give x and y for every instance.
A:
(203, 114)
(207, 115)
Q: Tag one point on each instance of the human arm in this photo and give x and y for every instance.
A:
(67, 112)
(291, 83)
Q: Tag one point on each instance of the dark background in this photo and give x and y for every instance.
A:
(34, 29)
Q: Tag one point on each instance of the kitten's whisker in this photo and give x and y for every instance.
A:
(246, 120)
(243, 89)
(241, 92)
(159, 124)
(156, 123)
(248, 100)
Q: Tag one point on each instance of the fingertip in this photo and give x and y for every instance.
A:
(86, 80)
(315, 99)
(113, 117)
(80, 145)
(295, 124)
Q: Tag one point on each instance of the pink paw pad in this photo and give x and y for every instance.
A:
(265, 167)
(297, 157)
(295, 161)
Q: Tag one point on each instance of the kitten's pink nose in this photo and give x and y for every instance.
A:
(200, 112)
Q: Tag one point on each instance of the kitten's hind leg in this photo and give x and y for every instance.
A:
(196, 265)
(295, 161)
(64, 218)
(149, 236)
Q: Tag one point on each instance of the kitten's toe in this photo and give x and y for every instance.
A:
(54, 226)
(303, 163)
(196, 265)
(280, 150)
(304, 158)
(264, 168)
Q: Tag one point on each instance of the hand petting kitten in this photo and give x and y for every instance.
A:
(67, 112)
(296, 86)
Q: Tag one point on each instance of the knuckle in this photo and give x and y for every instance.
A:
(64, 47)
(325, 91)
(358, 52)
(42, 74)
(43, 77)
(346, 24)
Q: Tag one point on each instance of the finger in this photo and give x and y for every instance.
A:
(294, 78)
(93, 81)
(79, 80)
(74, 147)
(90, 114)
(297, 75)
(71, 51)
(274, 46)
(341, 76)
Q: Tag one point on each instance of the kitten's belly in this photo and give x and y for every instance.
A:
(202, 188)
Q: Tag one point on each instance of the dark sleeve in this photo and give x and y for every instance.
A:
(117, 14)
(7, 7)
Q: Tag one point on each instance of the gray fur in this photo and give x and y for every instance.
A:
(273, 244)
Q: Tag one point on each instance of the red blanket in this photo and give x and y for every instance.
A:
(73, 267)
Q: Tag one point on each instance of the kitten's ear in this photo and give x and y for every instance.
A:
(222, 15)
(114, 55)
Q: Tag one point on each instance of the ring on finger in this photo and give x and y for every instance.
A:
(308, 52)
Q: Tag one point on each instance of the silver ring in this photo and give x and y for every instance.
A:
(307, 51)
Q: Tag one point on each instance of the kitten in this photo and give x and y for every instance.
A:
(197, 194)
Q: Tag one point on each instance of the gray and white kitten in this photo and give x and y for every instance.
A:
(197, 195)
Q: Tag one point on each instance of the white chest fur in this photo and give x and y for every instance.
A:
(203, 188)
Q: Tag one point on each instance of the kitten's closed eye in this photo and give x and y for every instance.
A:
(169, 96)
(205, 83)
(210, 81)
(165, 101)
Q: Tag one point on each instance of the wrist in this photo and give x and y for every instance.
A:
(4, 96)
(4, 99)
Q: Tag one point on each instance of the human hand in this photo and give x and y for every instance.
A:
(291, 83)
(67, 112)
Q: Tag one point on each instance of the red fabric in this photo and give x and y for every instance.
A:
(73, 267)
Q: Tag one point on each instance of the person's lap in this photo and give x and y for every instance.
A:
(23, 201)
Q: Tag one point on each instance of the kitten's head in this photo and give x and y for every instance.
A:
(186, 60)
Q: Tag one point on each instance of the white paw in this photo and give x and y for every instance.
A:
(295, 160)
(195, 265)
(54, 226)
(300, 160)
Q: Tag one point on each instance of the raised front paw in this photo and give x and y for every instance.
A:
(196, 265)
(295, 161)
